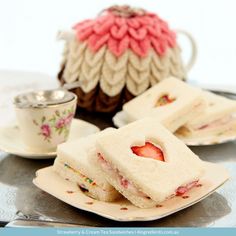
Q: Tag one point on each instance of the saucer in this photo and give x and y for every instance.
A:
(122, 210)
(11, 142)
(120, 119)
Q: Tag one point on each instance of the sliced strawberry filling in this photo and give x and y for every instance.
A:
(148, 150)
(164, 100)
(106, 166)
(216, 123)
(124, 182)
(121, 179)
(183, 189)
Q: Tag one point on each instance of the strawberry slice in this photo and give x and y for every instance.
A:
(124, 182)
(164, 100)
(149, 150)
(183, 189)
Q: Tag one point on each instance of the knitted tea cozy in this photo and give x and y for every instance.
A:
(124, 50)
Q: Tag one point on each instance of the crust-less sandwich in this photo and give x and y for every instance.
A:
(72, 163)
(146, 163)
(171, 102)
(218, 118)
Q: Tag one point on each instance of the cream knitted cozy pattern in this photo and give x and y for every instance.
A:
(113, 73)
(124, 48)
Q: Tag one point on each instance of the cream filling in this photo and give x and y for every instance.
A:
(215, 124)
(181, 120)
(123, 182)
(84, 179)
(129, 186)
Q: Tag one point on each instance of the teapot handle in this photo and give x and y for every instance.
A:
(193, 56)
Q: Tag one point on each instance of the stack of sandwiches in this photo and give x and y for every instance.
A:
(217, 119)
(186, 110)
(142, 161)
(73, 164)
(147, 164)
(171, 102)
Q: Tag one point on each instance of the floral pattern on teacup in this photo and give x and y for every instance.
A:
(45, 131)
(59, 123)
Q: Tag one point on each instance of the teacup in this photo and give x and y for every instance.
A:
(44, 118)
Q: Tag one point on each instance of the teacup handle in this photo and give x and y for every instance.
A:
(192, 41)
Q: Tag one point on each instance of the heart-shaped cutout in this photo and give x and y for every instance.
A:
(164, 100)
(148, 150)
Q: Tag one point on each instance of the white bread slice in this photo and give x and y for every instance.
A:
(94, 191)
(158, 180)
(73, 162)
(219, 130)
(114, 181)
(218, 107)
(188, 104)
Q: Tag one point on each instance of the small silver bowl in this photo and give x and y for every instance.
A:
(44, 98)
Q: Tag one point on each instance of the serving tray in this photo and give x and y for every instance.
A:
(21, 199)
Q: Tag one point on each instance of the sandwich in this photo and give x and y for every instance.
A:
(146, 163)
(171, 102)
(217, 119)
(72, 163)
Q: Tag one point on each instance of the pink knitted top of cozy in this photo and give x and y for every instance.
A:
(138, 33)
